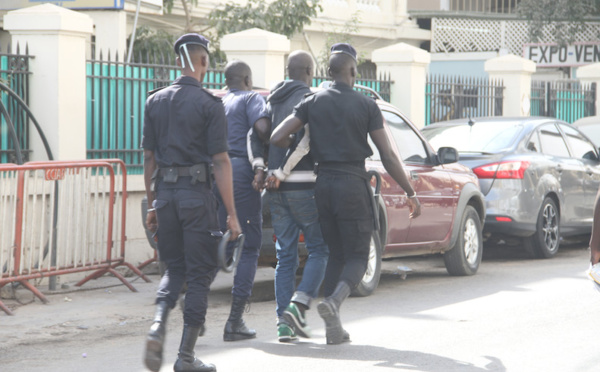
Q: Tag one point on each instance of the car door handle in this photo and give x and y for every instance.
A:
(559, 168)
(414, 175)
(589, 171)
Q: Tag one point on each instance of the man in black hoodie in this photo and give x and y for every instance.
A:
(291, 184)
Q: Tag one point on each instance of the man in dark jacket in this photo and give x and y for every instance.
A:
(291, 184)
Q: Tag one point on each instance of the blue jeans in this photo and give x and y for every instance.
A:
(292, 211)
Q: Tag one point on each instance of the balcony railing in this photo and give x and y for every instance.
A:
(482, 6)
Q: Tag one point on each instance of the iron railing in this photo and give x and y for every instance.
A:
(116, 95)
(367, 78)
(14, 74)
(456, 97)
(568, 100)
(484, 6)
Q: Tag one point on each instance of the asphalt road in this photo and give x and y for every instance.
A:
(516, 314)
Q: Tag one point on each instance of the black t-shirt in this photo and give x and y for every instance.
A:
(339, 121)
(184, 124)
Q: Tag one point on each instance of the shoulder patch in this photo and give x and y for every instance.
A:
(309, 94)
(156, 90)
(208, 93)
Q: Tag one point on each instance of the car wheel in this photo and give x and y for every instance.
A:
(370, 280)
(546, 239)
(465, 256)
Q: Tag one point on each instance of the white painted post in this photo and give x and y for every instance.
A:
(263, 51)
(515, 73)
(407, 66)
(110, 30)
(591, 74)
(57, 39)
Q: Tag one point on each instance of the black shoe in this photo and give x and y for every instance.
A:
(235, 328)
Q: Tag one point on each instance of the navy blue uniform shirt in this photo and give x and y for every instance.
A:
(184, 124)
(243, 108)
(339, 119)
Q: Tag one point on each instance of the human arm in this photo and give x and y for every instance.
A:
(224, 179)
(281, 135)
(595, 239)
(393, 166)
(149, 169)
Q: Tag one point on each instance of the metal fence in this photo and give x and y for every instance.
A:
(367, 78)
(116, 95)
(456, 97)
(568, 100)
(14, 75)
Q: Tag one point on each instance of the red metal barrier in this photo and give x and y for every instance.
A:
(62, 217)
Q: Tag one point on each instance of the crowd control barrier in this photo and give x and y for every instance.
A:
(62, 217)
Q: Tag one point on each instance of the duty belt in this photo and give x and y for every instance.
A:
(198, 172)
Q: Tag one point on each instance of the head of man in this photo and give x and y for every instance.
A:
(342, 63)
(300, 67)
(192, 55)
(238, 75)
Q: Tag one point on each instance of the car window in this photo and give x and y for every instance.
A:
(593, 133)
(581, 147)
(533, 144)
(487, 137)
(552, 141)
(410, 145)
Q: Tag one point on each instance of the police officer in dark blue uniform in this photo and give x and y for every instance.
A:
(339, 120)
(248, 120)
(185, 131)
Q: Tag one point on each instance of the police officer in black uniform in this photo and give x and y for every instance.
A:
(185, 131)
(339, 120)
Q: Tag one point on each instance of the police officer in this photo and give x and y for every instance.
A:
(339, 120)
(248, 120)
(185, 130)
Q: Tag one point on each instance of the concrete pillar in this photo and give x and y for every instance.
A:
(591, 74)
(263, 51)
(407, 66)
(57, 38)
(110, 31)
(515, 73)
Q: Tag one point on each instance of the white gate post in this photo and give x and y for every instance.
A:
(57, 38)
(515, 73)
(407, 66)
(591, 74)
(263, 51)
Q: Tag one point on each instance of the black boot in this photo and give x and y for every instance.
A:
(329, 310)
(186, 360)
(156, 337)
(235, 328)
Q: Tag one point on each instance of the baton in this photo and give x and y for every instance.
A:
(229, 264)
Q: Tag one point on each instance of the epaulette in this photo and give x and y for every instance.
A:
(211, 95)
(309, 94)
(156, 90)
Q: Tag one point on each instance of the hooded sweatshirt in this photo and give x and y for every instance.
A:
(284, 96)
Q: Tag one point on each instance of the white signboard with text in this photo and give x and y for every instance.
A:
(553, 55)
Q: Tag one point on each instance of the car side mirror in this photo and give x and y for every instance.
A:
(447, 155)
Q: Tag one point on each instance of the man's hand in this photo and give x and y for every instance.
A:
(414, 206)
(233, 225)
(259, 180)
(272, 183)
(152, 222)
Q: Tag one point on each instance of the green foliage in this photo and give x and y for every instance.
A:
(567, 17)
(286, 17)
(343, 35)
(168, 4)
(150, 42)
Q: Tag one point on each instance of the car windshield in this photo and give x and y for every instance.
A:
(481, 137)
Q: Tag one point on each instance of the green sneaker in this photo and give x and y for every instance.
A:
(285, 333)
(294, 315)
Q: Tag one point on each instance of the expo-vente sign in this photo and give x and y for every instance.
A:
(554, 55)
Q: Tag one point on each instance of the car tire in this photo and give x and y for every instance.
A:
(545, 241)
(465, 256)
(370, 280)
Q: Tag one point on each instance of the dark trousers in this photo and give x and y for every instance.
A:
(346, 219)
(187, 214)
(248, 205)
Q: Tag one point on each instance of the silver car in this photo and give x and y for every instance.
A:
(540, 176)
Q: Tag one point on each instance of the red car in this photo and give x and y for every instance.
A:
(452, 206)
